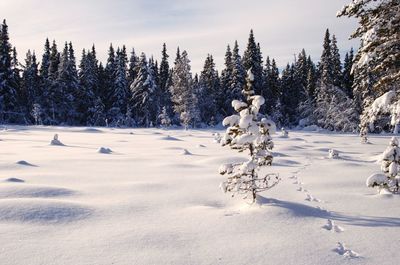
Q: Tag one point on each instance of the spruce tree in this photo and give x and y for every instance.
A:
(252, 59)
(347, 75)
(208, 91)
(30, 92)
(67, 87)
(8, 92)
(119, 94)
(376, 64)
(183, 91)
(164, 82)
(143, 89)
(238, 75)
(336, 63)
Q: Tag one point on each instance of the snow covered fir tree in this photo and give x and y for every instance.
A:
(390, 179)
(249, 131)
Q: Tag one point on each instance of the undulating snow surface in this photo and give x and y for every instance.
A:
(155, 199)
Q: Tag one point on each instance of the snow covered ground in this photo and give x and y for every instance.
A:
(151, 196)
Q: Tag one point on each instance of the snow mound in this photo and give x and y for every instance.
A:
(104, 150)
(42, 211)
(25, 163)
(15, 180)
(169, 138)
(91, 130)
(55, 141)
(186, 152)
(376, 179)
(17, 191)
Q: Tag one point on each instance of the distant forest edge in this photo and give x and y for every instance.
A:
(359, 93)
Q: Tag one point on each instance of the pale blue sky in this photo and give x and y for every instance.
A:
(207, 26)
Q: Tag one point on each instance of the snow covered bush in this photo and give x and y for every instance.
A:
(285, 134)
(390, 167)
(248, 132)
(333, 154)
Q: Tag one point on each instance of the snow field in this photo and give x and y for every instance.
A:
(148, 203)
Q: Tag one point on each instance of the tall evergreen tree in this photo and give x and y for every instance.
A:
(336, 63)
(143, 89)
(8, 91)
(252, 59)
(133, 67)
(30, 92)
(238, 75)
(67, 87)
(164, 82)
(119, 94)
(376, 65)
(226, 83)
(347, 75)
(208, 91)
(182, 90)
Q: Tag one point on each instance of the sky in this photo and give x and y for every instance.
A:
(201, 27)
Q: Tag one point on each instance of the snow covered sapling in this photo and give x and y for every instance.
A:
(333, 154)
(165, 121)
(390, 180)
(247, 132)
(56, 141)
(217, 137)
(285, 134)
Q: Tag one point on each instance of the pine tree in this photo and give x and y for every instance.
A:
(120, 93)
(248, 132)
(273, 87)
(226, 82)
(182, 91)
(143, 89)
(88, 103)
(30, 92)
(336, 63)
(8, 91)
(208, 91)
(67, 87)
(347, 75)
(164, 82)
(45, 87)
(238, 75)
(326, 67)
(252, 59)
(109, 81)
(376, 65)
(133, 67)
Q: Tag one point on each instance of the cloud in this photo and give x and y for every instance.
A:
(201, 27)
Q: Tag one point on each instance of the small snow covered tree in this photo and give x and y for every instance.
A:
(247, 131)
(165, 121)
(390, 167)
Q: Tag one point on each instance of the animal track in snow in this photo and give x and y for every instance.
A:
(341, 249)
(312, 198)
(331, 226)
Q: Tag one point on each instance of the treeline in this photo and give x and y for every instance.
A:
(133, 90)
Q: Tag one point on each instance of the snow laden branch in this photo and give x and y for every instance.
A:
(390, 180)
(247, 131)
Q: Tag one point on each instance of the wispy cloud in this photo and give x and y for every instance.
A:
(201, 27)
